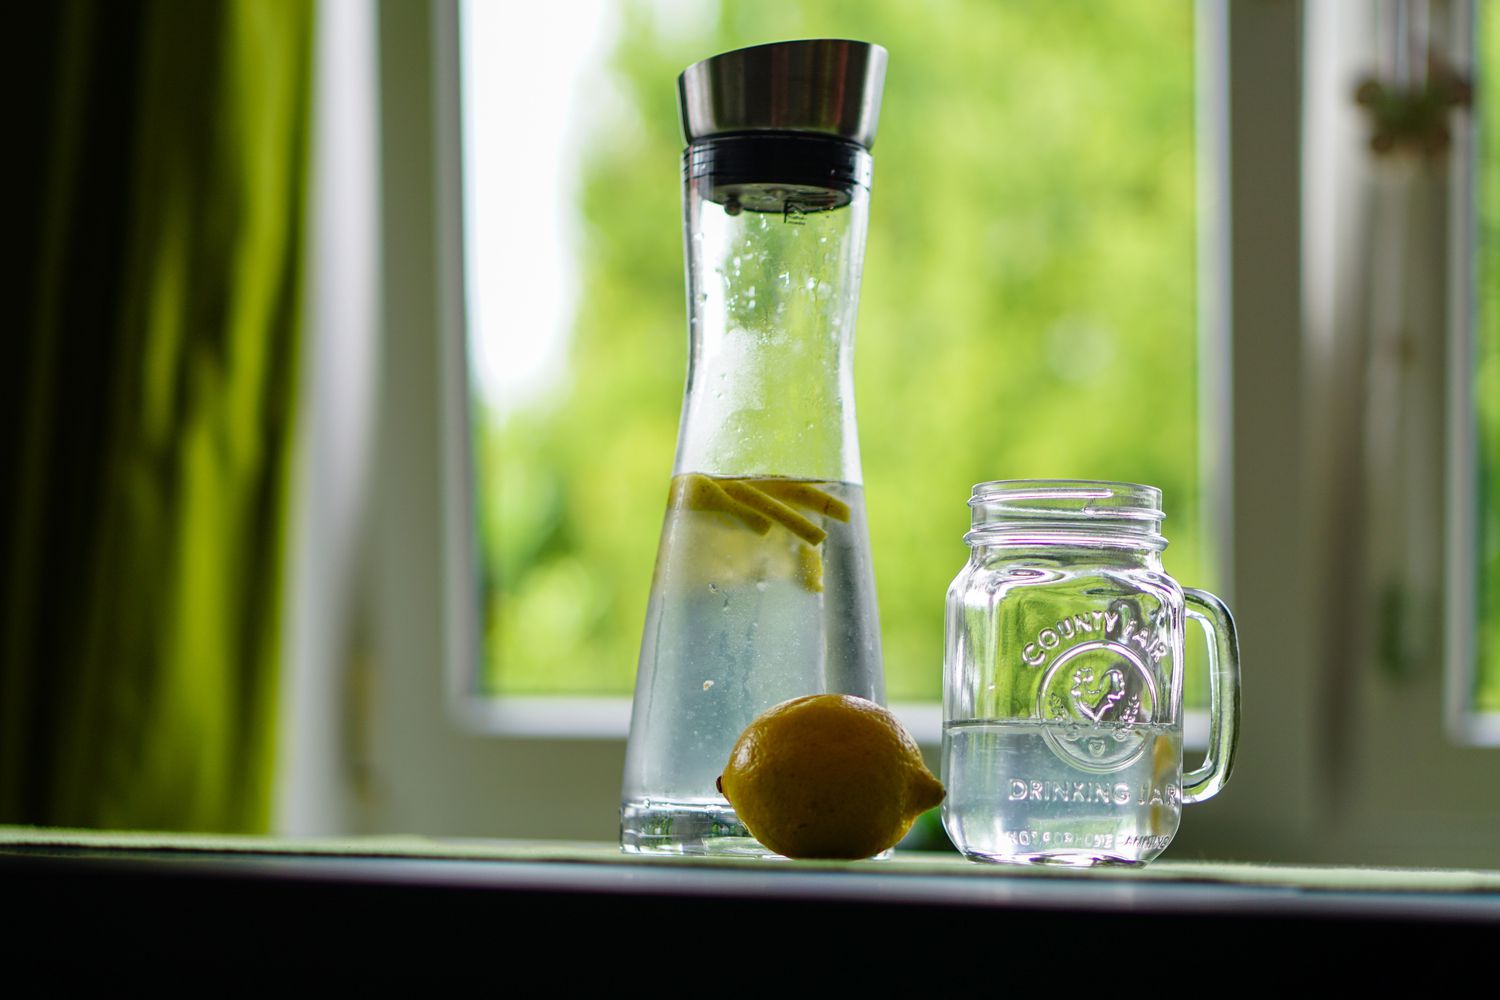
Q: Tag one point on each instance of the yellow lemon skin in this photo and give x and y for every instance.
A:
(828, 776)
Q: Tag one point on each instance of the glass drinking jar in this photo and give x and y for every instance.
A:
(1063, 674)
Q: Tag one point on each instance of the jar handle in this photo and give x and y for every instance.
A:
(1224, 695)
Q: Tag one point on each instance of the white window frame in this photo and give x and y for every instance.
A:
(608, 718)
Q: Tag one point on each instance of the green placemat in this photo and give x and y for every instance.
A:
(34, 840)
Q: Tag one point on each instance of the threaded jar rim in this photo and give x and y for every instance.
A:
(1073, 512)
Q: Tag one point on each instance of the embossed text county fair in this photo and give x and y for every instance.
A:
(1035, 653)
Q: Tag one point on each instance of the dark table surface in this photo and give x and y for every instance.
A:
(409, 902)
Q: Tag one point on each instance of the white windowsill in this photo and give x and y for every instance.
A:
(1476, 729)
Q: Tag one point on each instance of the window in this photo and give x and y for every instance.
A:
(1336, 765)
(1399, 333)
(1028, 307)
(1482, 192)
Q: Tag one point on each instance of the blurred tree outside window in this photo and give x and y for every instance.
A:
(1487, 376)
(1028, 306)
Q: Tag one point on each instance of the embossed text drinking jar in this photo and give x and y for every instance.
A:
(1063, 678)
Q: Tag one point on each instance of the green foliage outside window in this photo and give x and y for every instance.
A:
(1028, 310)
(1487, 378)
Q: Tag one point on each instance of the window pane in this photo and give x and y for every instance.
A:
(1028, 305)
(1487, 377)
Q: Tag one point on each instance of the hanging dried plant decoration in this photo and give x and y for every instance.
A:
(1413, 119)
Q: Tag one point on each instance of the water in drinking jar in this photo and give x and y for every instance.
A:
(1039, 792)
(763, 591)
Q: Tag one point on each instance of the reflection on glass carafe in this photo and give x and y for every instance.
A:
(763, 588)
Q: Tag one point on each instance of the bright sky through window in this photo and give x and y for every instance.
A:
(529, 71)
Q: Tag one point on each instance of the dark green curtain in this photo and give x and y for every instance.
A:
(148, 402)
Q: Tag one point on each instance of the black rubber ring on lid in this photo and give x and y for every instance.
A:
(762, 171)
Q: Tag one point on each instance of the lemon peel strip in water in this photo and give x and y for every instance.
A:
(804, 495)
(695, 491)
(776, 511)
(810, 568)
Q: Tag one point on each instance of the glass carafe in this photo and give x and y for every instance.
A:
(763, 588)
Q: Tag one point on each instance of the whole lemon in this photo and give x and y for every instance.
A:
(828, 776)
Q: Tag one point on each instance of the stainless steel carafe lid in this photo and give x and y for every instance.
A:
(821, 86)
